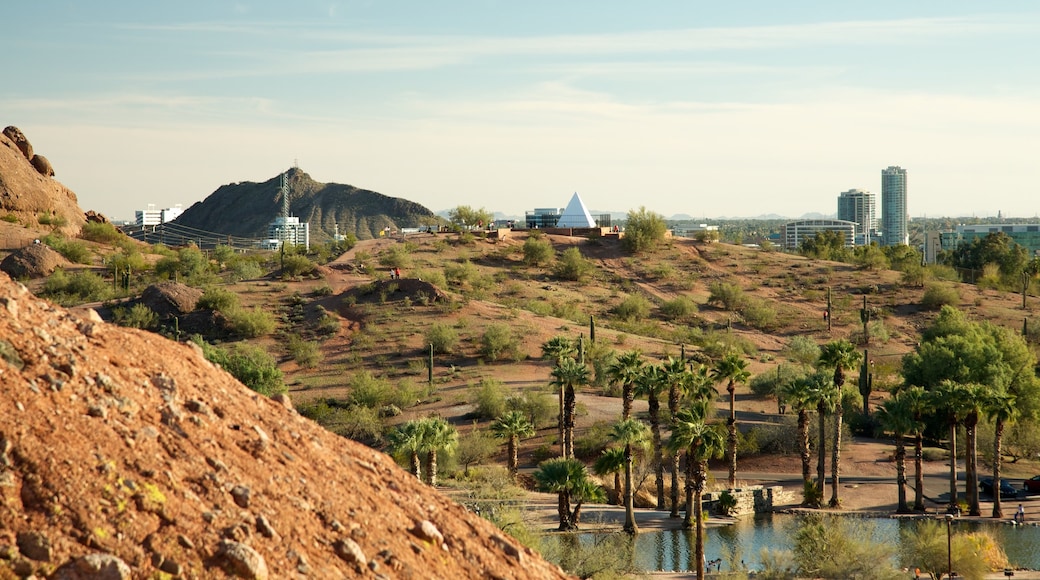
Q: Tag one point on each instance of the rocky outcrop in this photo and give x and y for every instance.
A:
(27, 190)
(127, 455)
(42, 165)
(33, 261)
(15, 135)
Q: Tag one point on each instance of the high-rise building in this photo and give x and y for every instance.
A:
(856, 205)
(893, 207)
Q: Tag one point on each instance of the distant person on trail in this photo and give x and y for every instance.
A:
(397, 273)
(1020, 515)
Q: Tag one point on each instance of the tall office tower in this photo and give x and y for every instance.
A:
(893, 207)
(856, 205)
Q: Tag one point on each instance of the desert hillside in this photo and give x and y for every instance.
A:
(125, 455)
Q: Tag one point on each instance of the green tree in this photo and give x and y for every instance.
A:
(823, 395)
(625, 370)
(802, 394)
(896, 415)
(569, 480)
(644, 231)
(538, 252)
(438, 436)
(1000, 408)
(702, 442)
(731, 369)
(825, 245)
(572, 265)
(650, 384)
(465, 216)
(612, 462)
(513, 426)
(841, 356)
(568, 375)
(629, 433)
(948, 399)
(407, 439)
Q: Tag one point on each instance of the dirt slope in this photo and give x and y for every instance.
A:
(123, 443)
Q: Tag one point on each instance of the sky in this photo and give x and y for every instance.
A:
(710, 109)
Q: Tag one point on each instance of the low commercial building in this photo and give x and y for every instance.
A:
(1025, 235)
(793, 233)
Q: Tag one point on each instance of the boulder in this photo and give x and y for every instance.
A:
(15, 134)
(96, 217)
(33, 261)
(42, 165)
(170, 298)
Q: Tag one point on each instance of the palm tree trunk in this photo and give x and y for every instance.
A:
(514, 455)
(654, 407)
(731, 450)
(576, 515)
(617, 488)
(568, 422)
(803, 441)
(431, 467)
(563, 508)
(416, 465)
(626, 401)
(971, 459)
(690, 483)
(630, 516)
(953, 464)
(998, 436)
(698, 488)
(559, 422)
(836, 457)
(901, 474)
(918, 471)
(821, 459)
(673, 410)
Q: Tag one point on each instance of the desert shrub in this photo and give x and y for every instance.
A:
(251, 365)
(942, 272)
(727, 294)
(137, 316)
(459, 273)
(127, 259)
(102, 233)
(395, 256)
(936, 295)
(245, 269)
(498, 340)
(475, 448)
(367, 390)
(295, 265)
(644, 230)
(538, 251)
(9, 218)
(572, 265)
(306, 353)
(250, 323)
(489, 398)
(802, 350)
(759, 314)
(679, 309)
(219, 299)
(72, 250)
(69, 289)
(443, 337)
(361, 424)
(770, 383)
(593, 441)
(777, 439)
(839, 547)
(539, 407)
(925, 545)
(633, 307)
(323, 290)
(51, 219)
(603, 556)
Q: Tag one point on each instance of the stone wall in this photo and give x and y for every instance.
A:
(755, 499)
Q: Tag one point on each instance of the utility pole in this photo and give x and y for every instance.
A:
(828, 309)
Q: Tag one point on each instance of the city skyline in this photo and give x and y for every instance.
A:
(737, 110)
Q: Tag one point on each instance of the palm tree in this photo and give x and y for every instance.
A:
(701, 441)
(799, 394)
(612, 462)
(1001, 409)
(896, 415)
(946, 398)
(840, 355)
(438, 435)
(973, 404)
(569, 480)
(512, 427)
(567, 375)
(408, 438)
(624, 371)
(916, 400)
(732, 369)
(629, 433)
(822, 394)
(679, 380)
(556, 349)
(651, 383)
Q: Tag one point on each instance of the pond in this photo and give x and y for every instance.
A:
(671, 550)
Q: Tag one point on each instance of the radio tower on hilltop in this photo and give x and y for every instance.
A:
(284, 192)
(284, 229)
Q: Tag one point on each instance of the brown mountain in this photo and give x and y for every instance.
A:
(30, 194)
(245, 209)
(126, 455)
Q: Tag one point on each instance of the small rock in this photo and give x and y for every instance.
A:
(284, 400)
(97, 411)
(508, 548)
(171, 567)
(241, 495)
(94, 567)
(185, 542)
(350, 552)
(35, 546)
(429, 532)
(243, 561)
(264, 527)
(196, 406)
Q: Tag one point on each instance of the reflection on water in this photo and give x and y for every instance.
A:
(672, 550)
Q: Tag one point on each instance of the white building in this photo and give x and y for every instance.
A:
(793, 233)
(151, 216)
(856, 205)
(288, 230)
